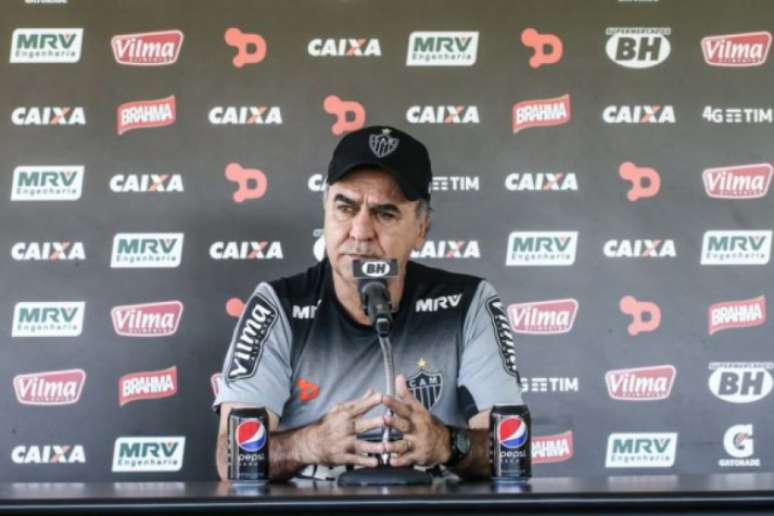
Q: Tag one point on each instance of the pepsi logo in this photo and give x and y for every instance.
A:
(512, 432)
(251, 435)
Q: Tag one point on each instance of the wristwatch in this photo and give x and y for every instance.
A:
(459, 443)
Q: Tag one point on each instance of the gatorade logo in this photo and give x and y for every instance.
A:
(646, 316)
(251, 48)
(350, 115)
(645, 181)
(548, 47)
(252, 182)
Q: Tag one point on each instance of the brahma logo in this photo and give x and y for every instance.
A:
(147, 48)
(246, 250)
(145, 113)
(641, 383)
(548, 449)
(638, 47)
(641, 450)
(48, 454)
(541, 113)
(543, 317)
(442, 115)
(741, 382)
(124, 183)
(46, 45)
(739, 444)
(442, 48)
(639, 114)
(541, 182)
(344, 47)
(138, 250)
(50, 183)
(736, 247)
(147, 385)
(48, 319)
(737, 50)
(550, 384)
(451, 249)
(148, 454)
(245, 115)
(48, 115)
(49, 388)
(737, 314)
(640, 248)
(739, 182)
(47, 251)
(148, 319)
(543, 248)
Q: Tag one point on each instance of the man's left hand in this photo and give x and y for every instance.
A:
(425, 438)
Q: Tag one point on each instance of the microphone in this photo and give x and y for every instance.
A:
(372, 278)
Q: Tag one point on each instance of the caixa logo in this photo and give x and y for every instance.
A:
(247, 250)
(48, 319)
(442, 115)
(449, 249)
(641, 383)
(741, 382)
(543, 317)
(638, 47)
(49, 183)
(541, 248)
(124, 183)
(737, 50)
(245, 115)
(138, 250)
(344, 47)
(148, 319)
(48, 454)
(47, 251)
(49, 388)
(148, 454)
(738, 247)
(48, 115)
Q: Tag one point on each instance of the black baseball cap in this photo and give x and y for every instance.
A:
(388, 149)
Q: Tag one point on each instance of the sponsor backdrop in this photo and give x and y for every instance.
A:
(606, 164)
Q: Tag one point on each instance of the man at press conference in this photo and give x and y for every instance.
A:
(308, 355)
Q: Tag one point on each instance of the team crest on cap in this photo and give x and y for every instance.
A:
(425, 385)
(383, 144)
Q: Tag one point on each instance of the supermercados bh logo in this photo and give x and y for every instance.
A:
(740, 446)
(442, 115)
(543, 248)
(639, 114)
(344, 47)
(641, 450)
(541, 182)
(46, 45)
(741, 382)
(449, 249)
(737, 50)
(148, 454)
(146, 113)
(138, 250)
(638, 47)
(637, 248)
(547, 449)
(738, 182)
(48, 115)
(147, 48)
(745, 313)
(543, 317)
(541, 113)
(147, 385)
(245, 115)
(442, 48)
(49, 388)
(247, 250)
(740, 247)
(148, 319)
(641, 383)
(140, 183)
(47, 251)
(49, 183)
(48, 454)
(48, 319)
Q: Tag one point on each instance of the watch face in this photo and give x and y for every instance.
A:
(462, 441)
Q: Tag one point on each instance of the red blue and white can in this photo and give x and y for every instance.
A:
(248, 444)
(510, 452)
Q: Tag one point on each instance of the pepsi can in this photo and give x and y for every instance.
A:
(510, 452)
(248, 444)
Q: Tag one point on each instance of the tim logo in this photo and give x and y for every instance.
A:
(46, 45)
(641, 383)
(146, 250)
(548, 449)
(344, 47)
(350, 115)
(737, 50)
(541, 113)
(49, 388)
(143, 114)
(48, 251)
(251, 48)
(252, 183)
(246, 115)
(442, 48)
(512, 432)
(147, 385)
(737, 314)
(547, 48)
(449, 249)
(147, 48)
(147, 320)
(442, 115)
(736, 247)
(48, 319)
(48, 115)
(543, 317)
(123, 183)
(639, 114)
(641, 450)
(646, 316)
(636, 47)
(646, 181)
(49, 183)
(739, 182)
(741, 382)
(543, 248)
